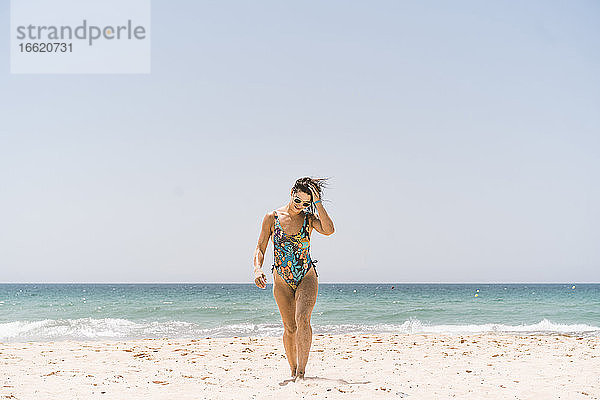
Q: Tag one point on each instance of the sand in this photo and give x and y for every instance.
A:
(351, 366)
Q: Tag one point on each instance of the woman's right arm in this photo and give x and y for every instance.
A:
(260, 278)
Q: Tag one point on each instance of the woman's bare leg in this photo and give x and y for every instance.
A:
(306, 297)
(284, 297)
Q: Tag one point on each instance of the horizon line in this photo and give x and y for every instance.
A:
(251, 283)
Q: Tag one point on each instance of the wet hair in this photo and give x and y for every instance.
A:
(304, 185)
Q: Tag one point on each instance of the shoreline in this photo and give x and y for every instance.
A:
(387, 365)
(584, 335)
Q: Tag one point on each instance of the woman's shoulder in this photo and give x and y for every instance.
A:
(275, 212)
(272, 214)
(269, 217)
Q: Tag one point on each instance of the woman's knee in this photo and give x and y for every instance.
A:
(290, 328)
(303, 319)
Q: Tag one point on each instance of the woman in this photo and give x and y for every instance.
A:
(295, 285)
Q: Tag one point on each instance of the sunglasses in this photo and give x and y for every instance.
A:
(297, 200)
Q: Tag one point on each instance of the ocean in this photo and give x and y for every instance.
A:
(55, 312)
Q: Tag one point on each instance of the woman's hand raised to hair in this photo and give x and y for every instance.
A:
(314, 192)
(260, 279)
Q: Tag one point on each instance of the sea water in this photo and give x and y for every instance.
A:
(54, 312)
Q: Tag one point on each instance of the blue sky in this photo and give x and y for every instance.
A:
(461, 138)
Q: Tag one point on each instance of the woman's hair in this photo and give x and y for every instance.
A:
(304, 184)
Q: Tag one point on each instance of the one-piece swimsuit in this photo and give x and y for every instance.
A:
(292, 253)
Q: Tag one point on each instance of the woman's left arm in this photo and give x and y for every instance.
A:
(323, 224)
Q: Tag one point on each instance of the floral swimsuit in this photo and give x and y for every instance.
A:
(292, 258)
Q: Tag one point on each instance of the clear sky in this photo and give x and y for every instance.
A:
(462, 140)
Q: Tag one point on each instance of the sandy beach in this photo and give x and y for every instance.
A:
(350, 366)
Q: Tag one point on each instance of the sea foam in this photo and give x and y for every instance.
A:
(90, 329)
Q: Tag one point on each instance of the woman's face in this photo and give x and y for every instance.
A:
(300, 200)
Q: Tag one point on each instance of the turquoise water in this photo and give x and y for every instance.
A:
(51, 312)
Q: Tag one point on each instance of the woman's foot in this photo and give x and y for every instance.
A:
(299, 375)
(293, 372)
